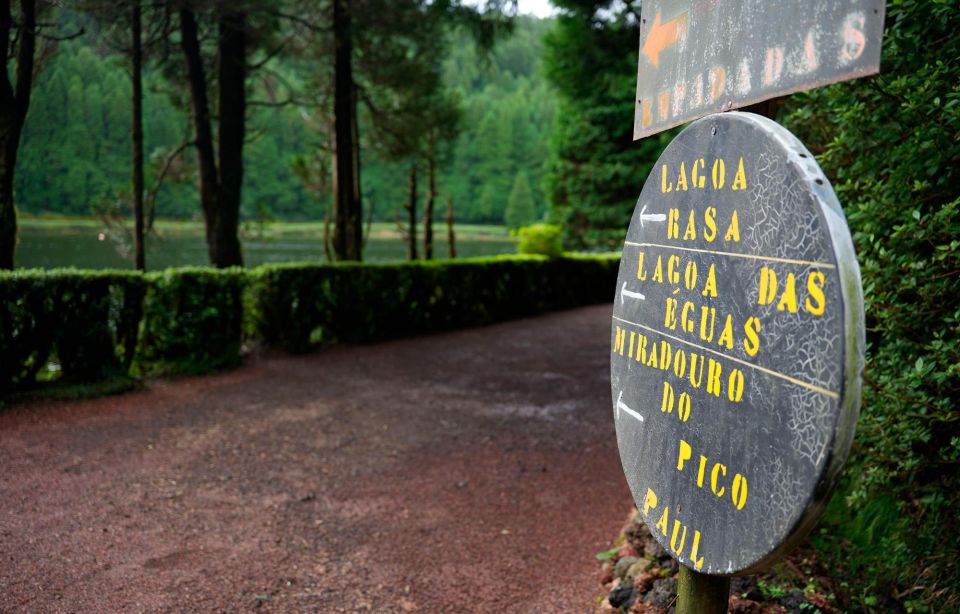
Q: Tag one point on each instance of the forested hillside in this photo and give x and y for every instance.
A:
(75, 155)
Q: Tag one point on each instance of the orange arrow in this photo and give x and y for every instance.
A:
(665, 35)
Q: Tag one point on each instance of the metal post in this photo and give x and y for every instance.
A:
(699, 593)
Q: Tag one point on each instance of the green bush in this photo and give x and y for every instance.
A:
(192, 321)
(66, 325)
(541, 239)
(299, 306)
(82, 327)
(891, 145)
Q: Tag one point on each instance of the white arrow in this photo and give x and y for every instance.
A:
(651, 217)
(624, 293)
(623, 406)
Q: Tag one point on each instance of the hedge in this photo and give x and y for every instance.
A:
(68, 325)
(297, 307)
(65, 324)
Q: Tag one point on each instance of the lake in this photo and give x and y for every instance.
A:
(86, 244)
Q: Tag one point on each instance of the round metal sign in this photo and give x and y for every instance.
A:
(737, 344)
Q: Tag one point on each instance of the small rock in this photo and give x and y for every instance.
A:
(644, 580)
(746, 587)
(462, 483)
(623, 565)
(739, 605)
(662, 594)
(606, 573)
(638, 567)
(625, 549)
(623, 596)
(794, 601)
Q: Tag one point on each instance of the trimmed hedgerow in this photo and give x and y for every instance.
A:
(67, 325)
(192, 321)
(88, 326)
(299, 306)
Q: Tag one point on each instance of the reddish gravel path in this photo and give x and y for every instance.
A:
(474, 471)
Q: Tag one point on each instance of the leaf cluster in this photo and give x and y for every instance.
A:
(891, 144)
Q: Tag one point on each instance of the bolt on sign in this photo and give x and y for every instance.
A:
(705, 56)
(737, 344)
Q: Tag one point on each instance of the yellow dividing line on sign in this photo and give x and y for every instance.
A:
(792, 380)
(821, 265)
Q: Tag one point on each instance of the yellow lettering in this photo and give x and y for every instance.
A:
(768, 286)
(666, 406)
(672, 273)
(703, 465)
(664, 519)
(735, 386)
(683, 407)
(641, 348)
(665, 354)
(685, 320)
(633, 335)
(682, 179)
(752, 330)
(726, 337)
(717, 468)
(690, 275)
(718, 174)
(641, 274)
(673, 223)
(658, 271)
(704, 310)
(684, 454)
(739, 492)
(788, 300)
(680, 364)
(652, 361)
(696, 377)
(698, 563)
(815, 283)
(665, 188)
(650, 501)
(740, 180)
(673, 537)
(710, 219)
(618, 340)
(670, 317)
(714, 369)
(691, 232)
(696, 178)
(733, 231)
(710, 288)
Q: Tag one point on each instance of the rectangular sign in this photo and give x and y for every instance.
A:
(699, 57)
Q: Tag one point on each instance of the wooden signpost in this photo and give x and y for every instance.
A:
(737, 339)
(705, 56)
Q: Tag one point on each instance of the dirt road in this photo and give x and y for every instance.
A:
(474, 471)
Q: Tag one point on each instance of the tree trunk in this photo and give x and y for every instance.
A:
(347, 233)
(451, 236)
(139, 259)
(232, 84)
(428, 208)
(13, 111)
(412, 215)
(200, 112)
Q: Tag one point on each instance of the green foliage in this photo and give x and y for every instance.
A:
(891, 145)
(300, 306)
(192, 320)
(595, 168)
(66, 325)
(541, 239)
(521, 210)
(74, 333)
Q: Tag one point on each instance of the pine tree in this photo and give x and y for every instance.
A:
(521, 209)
